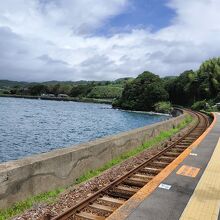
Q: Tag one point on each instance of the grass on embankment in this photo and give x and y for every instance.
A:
(50, 197)
(161, 137)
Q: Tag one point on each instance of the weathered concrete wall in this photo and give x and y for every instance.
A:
(32, 175)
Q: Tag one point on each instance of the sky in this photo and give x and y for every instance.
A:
(42, 40)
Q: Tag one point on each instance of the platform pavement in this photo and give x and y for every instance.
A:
(184, 197)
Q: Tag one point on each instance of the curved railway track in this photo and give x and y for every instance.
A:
(105, 201)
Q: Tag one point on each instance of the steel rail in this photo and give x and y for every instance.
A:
(86, 202)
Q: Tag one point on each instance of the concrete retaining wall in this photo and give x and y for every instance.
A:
(23, 178)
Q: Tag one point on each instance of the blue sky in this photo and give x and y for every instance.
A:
(44, 40)
(152, 14)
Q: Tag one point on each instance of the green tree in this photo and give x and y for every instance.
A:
(37, 89)
(142, 93)
(81, 90)
(56, 89)
(65, 89)
(209, 79)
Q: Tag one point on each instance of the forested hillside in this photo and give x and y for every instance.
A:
(197, 89)
(78, 89)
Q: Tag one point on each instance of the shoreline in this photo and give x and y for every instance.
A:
(144, 112)
(68, 99)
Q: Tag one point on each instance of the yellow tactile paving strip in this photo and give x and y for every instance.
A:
(204, 204)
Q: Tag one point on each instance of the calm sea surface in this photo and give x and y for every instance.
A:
(30, 127)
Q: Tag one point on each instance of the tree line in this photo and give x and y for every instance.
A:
(197, 89)
(90, 89)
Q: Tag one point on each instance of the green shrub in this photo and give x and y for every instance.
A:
(106, 92)
(217, 99)
(163, 107)
(6, 92)
(200, 105)
(80, 90)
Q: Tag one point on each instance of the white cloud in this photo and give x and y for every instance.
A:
(52, 39)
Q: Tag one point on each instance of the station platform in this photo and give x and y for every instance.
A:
(187, 189)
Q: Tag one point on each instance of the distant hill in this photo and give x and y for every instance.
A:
(4, 84)
(9, 84)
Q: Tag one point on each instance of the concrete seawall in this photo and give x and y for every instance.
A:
(40, 173)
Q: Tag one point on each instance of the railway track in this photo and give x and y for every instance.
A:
(105, 201)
